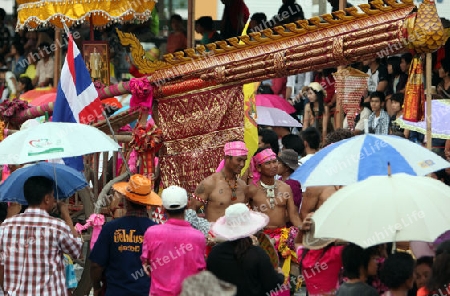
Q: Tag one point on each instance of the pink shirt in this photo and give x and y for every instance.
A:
(174, 251)
(321, 270)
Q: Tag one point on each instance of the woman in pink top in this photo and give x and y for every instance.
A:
(321, 269)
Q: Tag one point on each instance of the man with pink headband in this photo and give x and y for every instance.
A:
(275, 199)
(269, 196)
(224, 187)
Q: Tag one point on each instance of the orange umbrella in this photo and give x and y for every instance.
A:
(36, 93)
(43, 99)
(41, 13)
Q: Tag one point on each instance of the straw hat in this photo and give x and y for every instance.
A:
(239, 222)
(318, 88)
(138, 190)
(313, 243)
(290, 158)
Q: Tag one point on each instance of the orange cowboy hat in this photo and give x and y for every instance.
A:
(138, 190)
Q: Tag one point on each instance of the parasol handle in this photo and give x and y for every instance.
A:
(66, 28)
(394, 243)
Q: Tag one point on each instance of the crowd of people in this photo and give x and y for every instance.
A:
(212, 240)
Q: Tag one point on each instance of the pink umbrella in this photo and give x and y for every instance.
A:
(36, 93)
(274, 101)
(43, 99)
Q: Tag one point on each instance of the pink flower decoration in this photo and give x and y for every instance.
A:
(95, 221)
(98, 85)
(142, 93)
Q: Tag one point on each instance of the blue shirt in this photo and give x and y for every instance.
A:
(118, 250)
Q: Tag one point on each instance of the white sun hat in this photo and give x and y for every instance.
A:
(239, 222)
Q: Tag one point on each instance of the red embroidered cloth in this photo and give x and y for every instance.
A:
(196, 126)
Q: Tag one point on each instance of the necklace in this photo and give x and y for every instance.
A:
(232, 188)
(270, 192)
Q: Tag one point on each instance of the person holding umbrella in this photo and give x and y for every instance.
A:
(32, 244)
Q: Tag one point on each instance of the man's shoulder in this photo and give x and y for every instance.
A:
(158, 228)
(127, 222)
(165, 229)
(360, 288)
(27, 217)
(210, 181)
(313, 191)
(282, 184)
(128, 219)
(252, 187)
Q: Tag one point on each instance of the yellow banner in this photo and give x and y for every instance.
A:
(250, 127)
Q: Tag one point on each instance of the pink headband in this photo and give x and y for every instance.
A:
(265, 156)
(258, 159)
(236, 148)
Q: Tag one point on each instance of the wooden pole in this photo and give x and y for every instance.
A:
(57, 58)
(429, 97)
(191, 24)
(91, 28)
(338, 116)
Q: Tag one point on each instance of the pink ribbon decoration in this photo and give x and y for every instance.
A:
(95, 221)
(142, 93)
(132, 161)
(260, 158)
(221, 166)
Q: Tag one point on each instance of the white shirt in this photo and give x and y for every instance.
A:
(305, 158)
(302, 161)
(44, 70)
(10, 86)
(360, 125)
(372, 81)
(303, 79)
(375, 121)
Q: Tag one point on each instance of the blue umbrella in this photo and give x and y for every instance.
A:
(67, 181)
(355, 159)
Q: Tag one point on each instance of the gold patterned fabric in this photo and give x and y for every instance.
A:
(34, 14)
(195, 128)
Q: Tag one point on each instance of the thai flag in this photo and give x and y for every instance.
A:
(77, 99)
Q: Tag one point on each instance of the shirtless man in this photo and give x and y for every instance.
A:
(269, 196)
(224, 187)
(314, 197)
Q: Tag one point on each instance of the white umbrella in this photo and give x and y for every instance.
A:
(274, 117)
(385, 209)
(54, 140)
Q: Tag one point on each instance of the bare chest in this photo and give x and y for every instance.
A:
(267, 199)
(225, 195)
